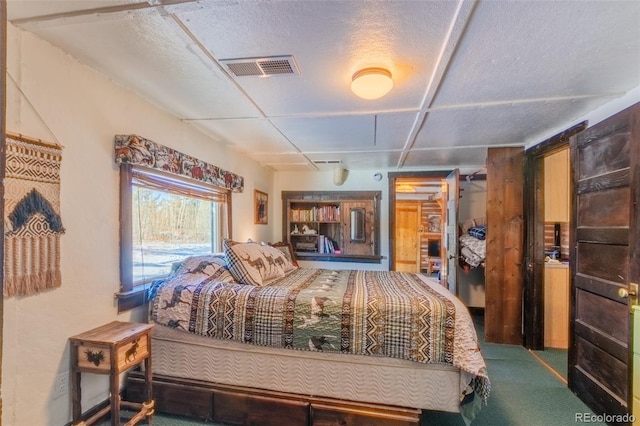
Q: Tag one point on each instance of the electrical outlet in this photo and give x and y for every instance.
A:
(61, 386)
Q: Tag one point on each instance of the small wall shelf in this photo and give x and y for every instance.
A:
(332, 226)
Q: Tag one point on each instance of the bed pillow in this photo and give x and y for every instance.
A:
(466, 225)
(480, 221)
(479, 232)
(287, 250)
(254, 264)
(213, 265)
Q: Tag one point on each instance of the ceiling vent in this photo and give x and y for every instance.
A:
(261, 67)
(326, 164)
(326, 161)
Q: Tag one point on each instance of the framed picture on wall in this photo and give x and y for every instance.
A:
(261, 203)
(433, 224)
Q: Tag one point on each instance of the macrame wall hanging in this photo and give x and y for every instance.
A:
(31, 216)
(134, 149)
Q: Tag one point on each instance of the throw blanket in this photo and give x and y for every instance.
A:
(473, 250)
(375, 313)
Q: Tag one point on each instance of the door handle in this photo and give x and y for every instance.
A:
(630, 293)
(623, 293)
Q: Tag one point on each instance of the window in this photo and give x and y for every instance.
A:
(434, 248)
(164, 218)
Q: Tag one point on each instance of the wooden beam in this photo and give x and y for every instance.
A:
(504, 279)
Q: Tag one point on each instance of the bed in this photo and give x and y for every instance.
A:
(329, 343)
(473, 245)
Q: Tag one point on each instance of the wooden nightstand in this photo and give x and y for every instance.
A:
(112, 349)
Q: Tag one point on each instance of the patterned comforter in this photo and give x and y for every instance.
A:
(377, 313)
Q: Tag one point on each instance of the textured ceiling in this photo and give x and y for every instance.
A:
(467, 74)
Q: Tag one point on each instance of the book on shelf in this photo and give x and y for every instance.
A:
(327, 246)
(321, 243)
(329, 213)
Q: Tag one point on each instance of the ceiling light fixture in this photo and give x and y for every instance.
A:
(405, 187)
(339, 175)
(371, 83)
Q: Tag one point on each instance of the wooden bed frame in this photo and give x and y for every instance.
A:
(249, 406)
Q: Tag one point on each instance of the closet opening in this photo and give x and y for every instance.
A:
(472, 218)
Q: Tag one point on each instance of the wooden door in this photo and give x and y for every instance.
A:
(605, 260)
(448, 276)
(407, 236)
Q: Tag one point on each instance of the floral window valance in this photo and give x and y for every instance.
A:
(133, 149)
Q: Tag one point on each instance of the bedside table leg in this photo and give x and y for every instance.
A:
(76, 396)
(115, 399)
(148, 375)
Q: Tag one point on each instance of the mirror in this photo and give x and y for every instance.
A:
(357, 225)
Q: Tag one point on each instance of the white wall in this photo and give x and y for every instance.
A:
(473, 200)
(67, 103)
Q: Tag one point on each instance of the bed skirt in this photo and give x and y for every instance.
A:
(365, 379)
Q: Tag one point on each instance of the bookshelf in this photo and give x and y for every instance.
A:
(332, 226)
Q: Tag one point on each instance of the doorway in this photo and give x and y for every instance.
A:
(417, 210)
(556, 250)
(555, 276)
(547, 203)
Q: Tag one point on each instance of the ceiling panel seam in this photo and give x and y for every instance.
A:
(97, 11)
(456, 32)
(325, 115)
(553, 99)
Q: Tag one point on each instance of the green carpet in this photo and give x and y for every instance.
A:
(523, 392)
(556, 359)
